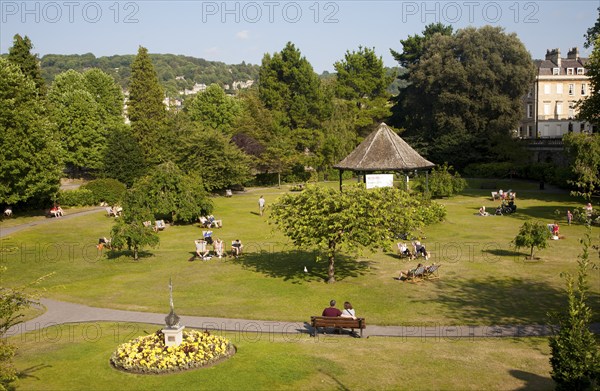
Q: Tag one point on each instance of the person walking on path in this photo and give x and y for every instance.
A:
(261, 205)
(569, 217)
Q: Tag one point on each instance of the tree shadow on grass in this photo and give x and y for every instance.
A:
(290, 265)
(500, 252)
(117, 254)
(532, 380)
(500, 301)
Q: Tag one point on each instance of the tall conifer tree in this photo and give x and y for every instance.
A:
(20, 55)
(146, 109)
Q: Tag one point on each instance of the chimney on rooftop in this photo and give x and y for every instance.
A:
(573, 54)
(554, 56)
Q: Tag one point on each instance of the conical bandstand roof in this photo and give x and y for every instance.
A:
(383, 150)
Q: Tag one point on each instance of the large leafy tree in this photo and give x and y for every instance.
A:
(584, 152)
(213, 109)
(575, 357)
(214, 158)
(589, 109)
(363, 81)
(465, 91)
(77, 118)
(107, 93)
(123, 158)
(168, 192)
(146, 109)
(86, 109)
(355, 218)
(30, 163)
(29, 63)
(289, 86)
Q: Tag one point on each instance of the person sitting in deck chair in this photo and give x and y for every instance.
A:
(420, 250)
(404, 274)
(236, 248)
(404, 251)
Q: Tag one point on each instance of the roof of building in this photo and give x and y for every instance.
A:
(383, 150)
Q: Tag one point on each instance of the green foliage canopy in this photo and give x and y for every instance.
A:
(584, 152)
(335, 221)
(30, 162)
(532, 234)
(465, 90)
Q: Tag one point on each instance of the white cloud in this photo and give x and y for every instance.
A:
(244, 34)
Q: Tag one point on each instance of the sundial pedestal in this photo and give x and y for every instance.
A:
(173, 335)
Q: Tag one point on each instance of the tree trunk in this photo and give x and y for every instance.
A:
(531, 256)
(135, 253)
(331, 269)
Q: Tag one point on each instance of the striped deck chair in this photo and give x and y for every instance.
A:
(431, 272)
(416, 275)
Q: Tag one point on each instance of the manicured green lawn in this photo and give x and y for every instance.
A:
(75, 357)
(483, 280)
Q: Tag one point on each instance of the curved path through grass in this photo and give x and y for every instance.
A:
(60, 312)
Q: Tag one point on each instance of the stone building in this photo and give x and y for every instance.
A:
(550, 106)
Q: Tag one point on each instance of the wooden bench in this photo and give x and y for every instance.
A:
(337, 322)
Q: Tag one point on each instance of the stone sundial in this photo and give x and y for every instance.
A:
(171, 320)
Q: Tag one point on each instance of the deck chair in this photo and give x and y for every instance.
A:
(431, 272)
(416, 275)
(159, 225)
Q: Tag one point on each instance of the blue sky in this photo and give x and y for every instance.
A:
(236, 31)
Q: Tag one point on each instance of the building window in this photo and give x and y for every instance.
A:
(558, 129)
(583, 89)
(546, 88)
(556, 71)
(570, 71)
(530, 92)
(529, 131)
(559, 108)
(546, 108)
(582, 127)
(580, 71)
(529, 110)
(571, 89)
(559, 88)
(571, 110)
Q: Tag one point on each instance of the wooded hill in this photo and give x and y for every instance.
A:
(168, 67)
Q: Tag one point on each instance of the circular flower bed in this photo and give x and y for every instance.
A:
(149, 354)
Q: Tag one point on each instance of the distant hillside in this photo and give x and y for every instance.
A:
(169, 67)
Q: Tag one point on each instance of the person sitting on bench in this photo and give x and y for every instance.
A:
(331, 310)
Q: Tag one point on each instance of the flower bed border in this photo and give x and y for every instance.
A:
(231, 350)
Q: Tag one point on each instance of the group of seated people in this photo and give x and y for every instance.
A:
(410, 273)
(505, 195)
(56, 211)
(159, 225)
(418, 250)
(203, 243)
(332, 311)
(210, 222)
(114, 211)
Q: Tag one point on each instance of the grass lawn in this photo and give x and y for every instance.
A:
(75, 357)
(483, 280)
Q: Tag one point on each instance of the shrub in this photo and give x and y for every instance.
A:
(78, 197)
(108, 190)
(441, 182)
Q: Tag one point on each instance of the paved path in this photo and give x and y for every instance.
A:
(61, 313)
(10, 230)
